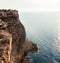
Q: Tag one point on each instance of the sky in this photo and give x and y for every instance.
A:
(31, 5)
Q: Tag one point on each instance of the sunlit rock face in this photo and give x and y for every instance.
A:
(5, 46)
(12, 33)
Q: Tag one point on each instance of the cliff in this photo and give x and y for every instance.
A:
(19, 46)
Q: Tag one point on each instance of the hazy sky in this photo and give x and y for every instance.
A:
(31, 5)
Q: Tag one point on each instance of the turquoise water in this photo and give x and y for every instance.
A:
(41, 29)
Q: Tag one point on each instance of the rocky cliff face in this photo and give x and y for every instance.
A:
(10, 23)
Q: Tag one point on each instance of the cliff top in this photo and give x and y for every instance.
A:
(8, 13)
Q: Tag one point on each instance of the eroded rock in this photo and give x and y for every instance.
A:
(10, 25)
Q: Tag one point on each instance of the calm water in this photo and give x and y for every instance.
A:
(43, 29)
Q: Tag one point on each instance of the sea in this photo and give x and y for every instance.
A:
(43, 29)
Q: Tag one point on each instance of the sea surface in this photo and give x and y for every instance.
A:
(43, 29)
